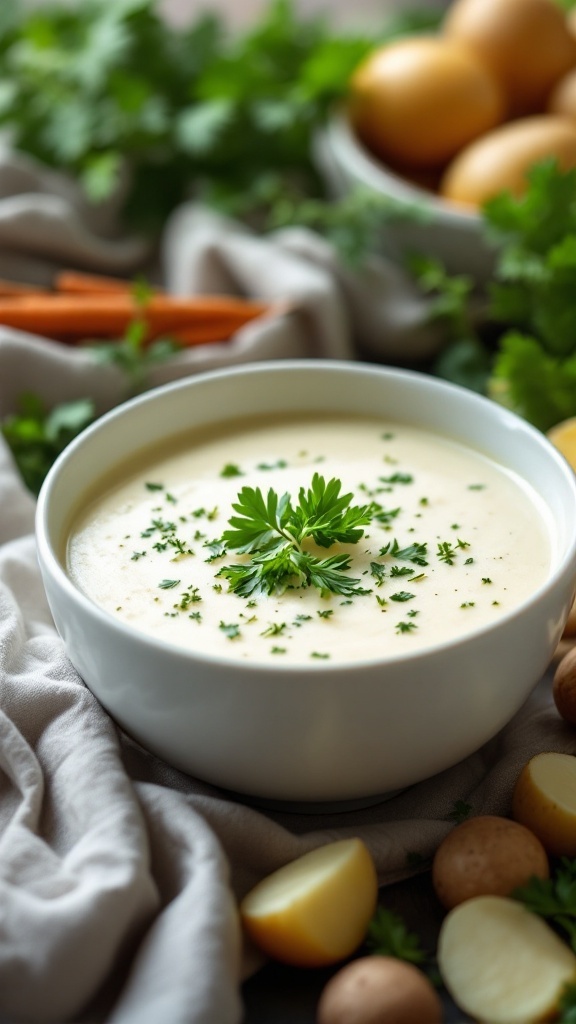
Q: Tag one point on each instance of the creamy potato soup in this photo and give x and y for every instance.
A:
(310, 540)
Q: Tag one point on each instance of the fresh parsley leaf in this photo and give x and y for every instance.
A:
(515, 338)
(261, 524)
(131, 353)
(273, 530)
(97, 87)
(389, 936)
(554, 898)
(538, 386)
(411, 553)
(460, 812)
(36, 435)
(329, 575)
(567, 1005)
(325, 514)
(378, 571)
(230, 629)
(230, 469)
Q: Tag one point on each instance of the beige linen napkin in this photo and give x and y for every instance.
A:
(119, 876)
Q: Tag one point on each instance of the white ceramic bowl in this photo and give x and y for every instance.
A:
(454, 236)
(321, 732)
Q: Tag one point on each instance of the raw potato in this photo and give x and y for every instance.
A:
(376, 990)
(527, 44)
(501, 963)
(487, 855)
(563, 435)
(316, 909)
(564, 687)
(501, 159)
(562, 99)
(418, 100)
(544, 800)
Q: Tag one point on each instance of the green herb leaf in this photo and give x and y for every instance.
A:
(460, 812)
(260, 526)
(567, 1005)
(389, 936)
(536, 385)
(411, 553)
(554, 898)
(37, 435)
(272, 531)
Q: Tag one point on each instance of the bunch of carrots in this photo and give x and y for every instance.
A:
(83, 307)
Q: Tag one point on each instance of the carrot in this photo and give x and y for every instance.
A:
(11, 289)
(78, 283)
(76, 317)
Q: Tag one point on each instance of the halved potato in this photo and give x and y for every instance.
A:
(544, 800)
(316, 909)
(501, 963)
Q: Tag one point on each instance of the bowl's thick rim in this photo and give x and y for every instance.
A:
(355, 158)
(50, 562)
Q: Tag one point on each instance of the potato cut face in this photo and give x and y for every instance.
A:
(501, 963)
(544, 800)
(555, 775)
(316, 909)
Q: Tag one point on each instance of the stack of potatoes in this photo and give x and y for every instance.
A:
(468, 110)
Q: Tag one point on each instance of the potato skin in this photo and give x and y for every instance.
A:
(564, 687)
(501, 158)
(570, 627)
(416, 101)
(486, 856)
(527, 44)
(378, 989)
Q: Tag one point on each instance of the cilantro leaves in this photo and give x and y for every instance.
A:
(273, 530)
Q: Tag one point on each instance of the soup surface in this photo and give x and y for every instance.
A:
(444, 542)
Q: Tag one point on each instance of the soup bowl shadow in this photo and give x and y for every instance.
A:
(318, 733)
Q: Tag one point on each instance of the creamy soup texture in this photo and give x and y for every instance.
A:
(455, 541)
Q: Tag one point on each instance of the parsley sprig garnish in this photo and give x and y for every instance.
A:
(554, 898)
(273, 530)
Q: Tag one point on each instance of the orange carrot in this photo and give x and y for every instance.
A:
(9, 289)
(76, 317)
(78, 283)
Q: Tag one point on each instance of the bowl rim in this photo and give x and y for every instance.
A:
(52, 564)
(372, 172)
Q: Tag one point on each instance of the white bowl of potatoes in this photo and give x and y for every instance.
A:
(439, 123)
(310, 581)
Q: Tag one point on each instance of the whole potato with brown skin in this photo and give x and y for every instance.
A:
(526, 44)
(379, 990)
(564, 687)
(486, 856)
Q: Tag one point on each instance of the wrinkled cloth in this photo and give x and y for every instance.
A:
(119, 875)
